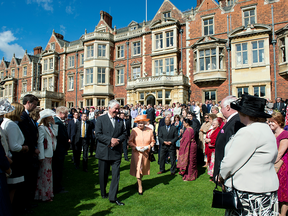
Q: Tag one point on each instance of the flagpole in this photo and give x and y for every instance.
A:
(146, 10)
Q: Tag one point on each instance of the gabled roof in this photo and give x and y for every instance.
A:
(249, 30)
(127, 28)
(208, 40)
(284, 29)
(6, 63)
(132, 23)
(202, 3)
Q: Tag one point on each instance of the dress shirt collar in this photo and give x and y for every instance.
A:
(27, 111)
(231, 116)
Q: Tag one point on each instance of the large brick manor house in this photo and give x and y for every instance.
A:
(208, 52)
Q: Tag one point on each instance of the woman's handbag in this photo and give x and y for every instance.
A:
(226, 200)
(151, 156)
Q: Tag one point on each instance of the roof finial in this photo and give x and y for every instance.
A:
(26, 51)
(13, 54)
(53, 31)
(85, 31)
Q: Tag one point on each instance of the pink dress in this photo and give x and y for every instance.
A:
(283, 172)
(286, 118)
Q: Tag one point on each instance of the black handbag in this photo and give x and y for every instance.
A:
(151, 156)
(226, 200)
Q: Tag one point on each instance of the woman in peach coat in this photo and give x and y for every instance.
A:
(141, 141)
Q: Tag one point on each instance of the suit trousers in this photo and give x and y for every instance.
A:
(57, 168)
(104, 169)
(125, 151)
(83, 142)
(92, 146)
(171, 149)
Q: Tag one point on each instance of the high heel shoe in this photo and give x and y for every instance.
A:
(140, 193)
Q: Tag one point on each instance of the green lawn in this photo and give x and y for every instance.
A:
(163, 194)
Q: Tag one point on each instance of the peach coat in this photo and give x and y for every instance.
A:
(140, 164)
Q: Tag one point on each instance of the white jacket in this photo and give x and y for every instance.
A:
(44, 133)
(250, 156)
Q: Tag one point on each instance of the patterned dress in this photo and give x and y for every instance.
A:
(188, 155)
(283, 172)
(44, 190)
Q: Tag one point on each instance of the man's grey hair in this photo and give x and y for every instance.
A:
(227, 100)
(113, 103)
(61, 109)
(167, 112)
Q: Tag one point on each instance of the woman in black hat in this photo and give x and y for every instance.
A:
(249, 160)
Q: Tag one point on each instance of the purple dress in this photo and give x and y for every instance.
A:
(283, 172)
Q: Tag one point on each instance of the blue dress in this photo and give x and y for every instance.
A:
(179, 126)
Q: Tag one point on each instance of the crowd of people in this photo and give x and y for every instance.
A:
(242, 143)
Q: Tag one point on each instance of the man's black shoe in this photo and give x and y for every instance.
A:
(117, 202)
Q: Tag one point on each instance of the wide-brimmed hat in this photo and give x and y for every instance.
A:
(251, 106)
(141, 118)
(158, 118)
(46, 113)
(5, 106)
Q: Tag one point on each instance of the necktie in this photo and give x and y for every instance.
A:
(83, 130)
(167, 128)
(278, 106)
(113, 122)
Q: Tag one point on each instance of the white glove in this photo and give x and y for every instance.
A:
(145, 148)
(139, 149)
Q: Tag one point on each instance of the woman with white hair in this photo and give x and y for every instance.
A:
(47, 142)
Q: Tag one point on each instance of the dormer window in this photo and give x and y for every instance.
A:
(52, 46)
(249, 16)
(167, 14)
(133, 28)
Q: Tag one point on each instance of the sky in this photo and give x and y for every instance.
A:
(26, 24)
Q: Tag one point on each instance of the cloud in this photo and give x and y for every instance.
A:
(46, 4)
(62, 30)
(69, 9)
(6, 37)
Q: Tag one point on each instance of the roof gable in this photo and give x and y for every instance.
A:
(167, 6)
(207, 5)
(208, 40)
(250, 30)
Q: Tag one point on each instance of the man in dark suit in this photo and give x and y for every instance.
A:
(72, 132)
(30, 132)
(232, 125)
(126, 123)
(61, 149)
(83, 136)
(110, 133)
(168, 136)
(204, 108)
(151, 114)
(93, 139)
(280, 106)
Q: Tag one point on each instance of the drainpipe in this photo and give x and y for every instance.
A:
(76, 77)
(228, 50)
(58, 74)
(127, 43)
(274, 55)
(181, 32)
(17, 88)
(230, 23)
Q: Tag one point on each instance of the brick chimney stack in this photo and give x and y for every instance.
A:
(107, 17)
(37, 50)
(198, 3)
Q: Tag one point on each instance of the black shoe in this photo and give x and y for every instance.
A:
(105, 196)
(127, 159)
(117, 202)
(140, 193)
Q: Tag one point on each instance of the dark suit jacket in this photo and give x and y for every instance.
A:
(104, 133)
(128, 126)
(229, 129)
(72, 130)
(161, 124)
(282, 108)
(30, 132)
(88, 132)
(151, 114)
(204, 109)
(93, 122)
(62, 140)
(171, 136)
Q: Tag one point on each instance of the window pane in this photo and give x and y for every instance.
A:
(246, 13)
(213, 51)
(256, 91)
(239, 92)
(201, 64)
(206, 30)
(244, 46)
(213, 95)
(238, 47)
(252, 20)
(255, 56)
(211, 29)
(210, 21)
(207, 96)
(254, 45)
(201, 53)
(213, 62)
(239, 60)
(261, 44)
(261, 55)
(207, 52)
(252, 12)
(246, 90)
(262, 91)
(206, 22)
(245, 58)
(207, 64)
